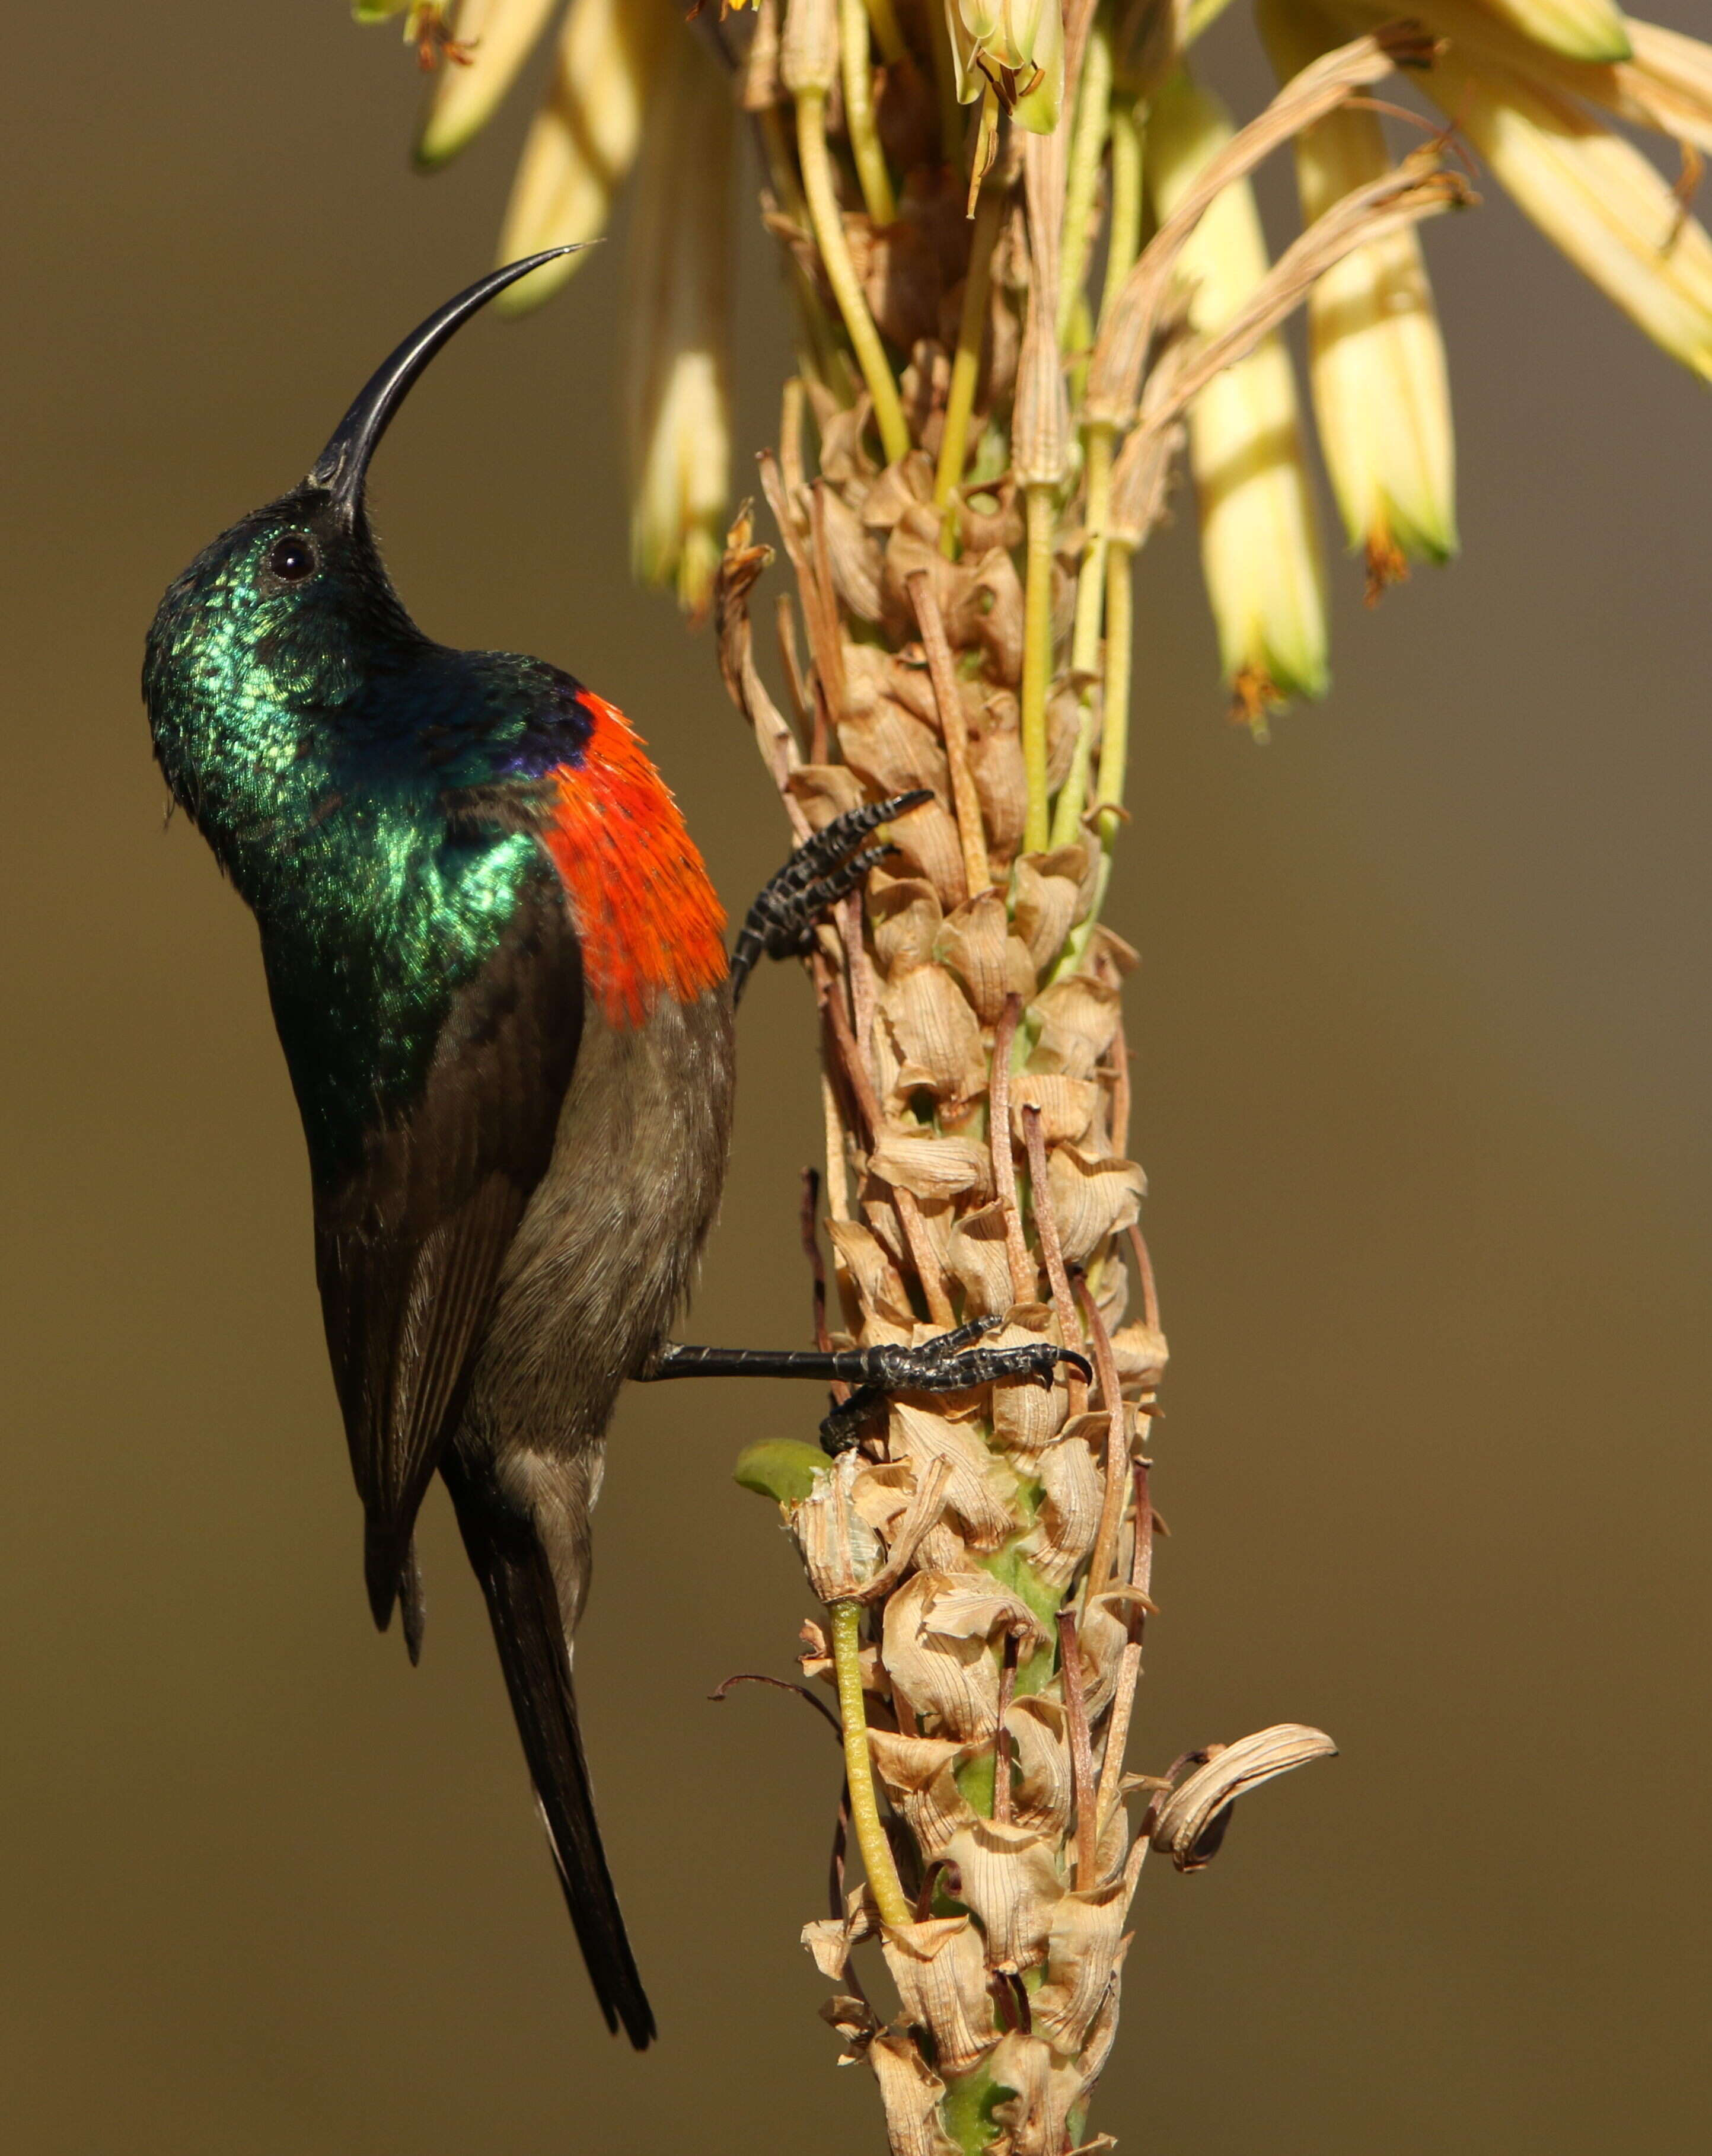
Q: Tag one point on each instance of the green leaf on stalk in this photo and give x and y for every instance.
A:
(782, 1468)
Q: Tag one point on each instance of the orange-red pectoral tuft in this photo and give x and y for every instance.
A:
(646, 915)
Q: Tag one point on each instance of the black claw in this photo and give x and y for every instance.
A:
(946, 1363)
(823, 869)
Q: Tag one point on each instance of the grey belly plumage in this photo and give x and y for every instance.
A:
(601, 1264)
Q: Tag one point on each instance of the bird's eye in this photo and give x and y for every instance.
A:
(292, 558)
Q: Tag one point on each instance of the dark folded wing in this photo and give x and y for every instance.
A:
(409, 1242)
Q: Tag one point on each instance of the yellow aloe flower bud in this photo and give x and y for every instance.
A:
(496, 36)
(584, 139)
(676, 373)
(1579, 29)
(1592, 194)
(1259, 548)
(1017, 46)
(1376, 361)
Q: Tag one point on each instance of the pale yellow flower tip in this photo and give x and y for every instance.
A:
(1594, 195)
(496, 36)
(584, 139)
(1018, 47)
(1259, 546)
(1376, 360)
(675, 366)
(1579, 29)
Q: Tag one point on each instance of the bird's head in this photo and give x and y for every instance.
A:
(282, 623)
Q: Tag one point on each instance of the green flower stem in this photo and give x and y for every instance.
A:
(1088, 147)
(821, 360)
(1037, 663)
(1123, 223)
(877, 1860)
(951, 126)
(1202, 15)
(828, 221)
(971, 335)
(875, 180)
(1085, 643)
(888, 34)
(1115, 743)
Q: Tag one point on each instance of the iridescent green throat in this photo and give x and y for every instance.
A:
(313, 736)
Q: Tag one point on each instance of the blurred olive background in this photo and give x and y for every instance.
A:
(1423, 1068)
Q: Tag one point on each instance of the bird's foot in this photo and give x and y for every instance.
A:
(824, 869)
(949, 1362)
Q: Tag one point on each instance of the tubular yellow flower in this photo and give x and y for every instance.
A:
(1260, 552)
(1684, 63)
(1665, 85)
(1376, 363)
(676, 370)
(1594, 196)
(498, 36)
(1580, 30)
(585, 137)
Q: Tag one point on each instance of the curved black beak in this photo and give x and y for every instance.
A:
(342, 465)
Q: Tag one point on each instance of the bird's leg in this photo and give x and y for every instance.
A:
(781, 923)
(949, 1362)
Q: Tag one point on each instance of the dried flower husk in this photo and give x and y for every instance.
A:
(937, 1036)
(1082, 1964)
(906, 916)
(1009, 1877)
(1046, 2089)
(979, 1487)
(974, 944)
(939, 1966)
(926, 840)
(1077, 1020)
(830, 1939)
(1042, 1787)
(1181, 1825)
(910, 2091)
(920, 1774)
(1027, 1417)
(1073, 1493)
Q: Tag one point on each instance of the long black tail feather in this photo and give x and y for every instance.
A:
(523, 1605)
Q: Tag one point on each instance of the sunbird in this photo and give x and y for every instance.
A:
(497, 968)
